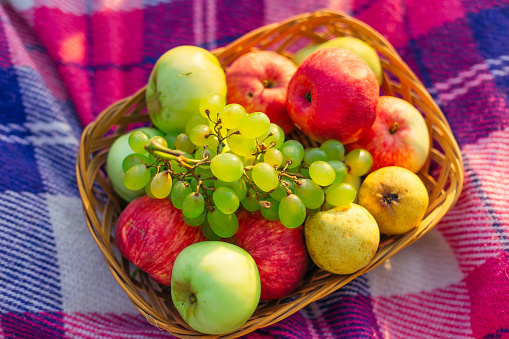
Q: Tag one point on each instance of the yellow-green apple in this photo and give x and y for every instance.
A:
(279, 252)
(399, 136)
(179, 80)
(396, 198)
(259, 82)
(333, 95)
(116, 155)
(355, 45)
(150, 233)
(215, 286)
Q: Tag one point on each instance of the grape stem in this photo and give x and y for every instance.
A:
(258, 194)
(159, 151)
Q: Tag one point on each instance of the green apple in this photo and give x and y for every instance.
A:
(357, 46)
(180, 79)
(215, 286)
(362, 49)
(116, 155)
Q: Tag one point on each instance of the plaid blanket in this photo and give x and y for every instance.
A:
(62, 62)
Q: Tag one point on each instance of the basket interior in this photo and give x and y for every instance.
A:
(442, 174)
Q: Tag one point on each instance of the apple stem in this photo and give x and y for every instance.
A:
(308, 97)
(192, 298)
(394, 128)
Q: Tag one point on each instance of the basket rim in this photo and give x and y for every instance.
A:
(98, 127)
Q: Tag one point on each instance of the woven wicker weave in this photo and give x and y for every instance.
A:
(443, 173)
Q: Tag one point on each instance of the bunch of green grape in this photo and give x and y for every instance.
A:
(227, 158)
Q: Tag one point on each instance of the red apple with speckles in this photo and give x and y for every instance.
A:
(333, 95)
(279, 252)
(399, 136)
(259, 81)
(150, 233)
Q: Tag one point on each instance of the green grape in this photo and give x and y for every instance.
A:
(254, 125)
(161, 185)
(212, 141)
(339, 168)
(178, 193)
(292, 211)
(304, 172)
(280, 192)
(240, 145)
(227, 167)
(225, 200)
(238, 186)
(193, 183)
(355, 182)
(177, 167)
(292, 151)
(147, 188)
(231, 115)
(208, 232)
(193, 205)
(198, 135)
(248, 160)
(358, 162)
(277, 137)
(271, 213)
(137, 177)
(211, 105)
(184, 144)
(170, 139)
(199, 155)
(137, 141)
(273, 157)
(322, 173)
(314, 154)
(159, 140)
(250, 203)
(196, 120)
(340, 194)
(265, 177)
(195, 221)
(334, 149)
(132, 160)
(204, 173)
(310, 193)
(224, 225)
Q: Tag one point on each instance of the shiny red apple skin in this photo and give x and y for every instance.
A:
(406, 144)
(279, 252)
(259, 81)
(333, 95)
(150, 233)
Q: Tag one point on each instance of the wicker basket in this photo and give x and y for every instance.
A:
(443, 173)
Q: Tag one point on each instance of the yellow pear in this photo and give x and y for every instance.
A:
(396, 197)
(342, 240)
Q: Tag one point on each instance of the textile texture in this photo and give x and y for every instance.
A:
(62, 62)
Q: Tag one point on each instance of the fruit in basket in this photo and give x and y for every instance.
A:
(259, 82)
(150, 233)
(362, 50)
(179, 80)
(279, 253)
(119, 150)
(342, 240)
(215, 286)
(333, 95)
(399, 136)
(355, 45)
(396, 197)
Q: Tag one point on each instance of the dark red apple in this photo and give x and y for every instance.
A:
(399, 136)
(333, 95)
(279, 252)
(259, 81)
(150, 233)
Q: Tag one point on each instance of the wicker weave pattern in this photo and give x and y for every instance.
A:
(102, 206)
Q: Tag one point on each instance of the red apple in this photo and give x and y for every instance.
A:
(333, 95)
(150, 233)
(399, 136)
(259, 81)
(279, 252)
